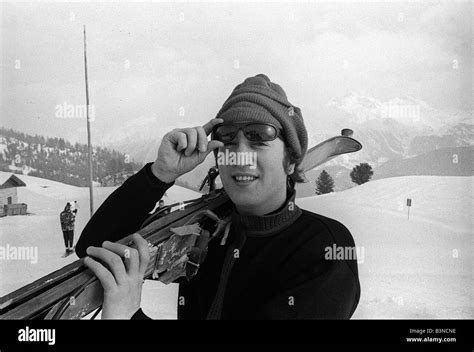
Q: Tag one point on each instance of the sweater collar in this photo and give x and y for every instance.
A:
(269, 224)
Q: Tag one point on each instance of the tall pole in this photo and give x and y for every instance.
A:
(89, 146)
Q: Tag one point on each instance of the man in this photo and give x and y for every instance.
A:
(67, 218)
(272, 264)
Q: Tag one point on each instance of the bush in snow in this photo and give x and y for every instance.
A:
(361, 173)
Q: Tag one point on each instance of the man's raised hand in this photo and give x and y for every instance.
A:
(182, 149)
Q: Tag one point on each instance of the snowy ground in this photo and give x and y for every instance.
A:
(41, 229)
(419, 268)
(416, 268)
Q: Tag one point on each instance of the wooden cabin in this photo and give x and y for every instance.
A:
(9, 204)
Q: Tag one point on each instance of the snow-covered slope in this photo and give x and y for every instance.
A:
(416, 268)
(411, 268)
(41, 229)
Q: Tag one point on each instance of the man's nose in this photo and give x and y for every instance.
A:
(242, 143)
(246, 154)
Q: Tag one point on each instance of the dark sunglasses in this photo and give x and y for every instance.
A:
(255, 132)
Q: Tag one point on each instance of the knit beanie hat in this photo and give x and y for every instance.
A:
(258, 99)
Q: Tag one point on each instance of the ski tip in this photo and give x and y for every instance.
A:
(347, 132)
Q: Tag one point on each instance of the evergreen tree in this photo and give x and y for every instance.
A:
(324, 183)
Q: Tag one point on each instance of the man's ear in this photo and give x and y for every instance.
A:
(289, 166)
(290, 169)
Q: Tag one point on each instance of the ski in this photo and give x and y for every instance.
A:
(40, 296)
(329, 149)
(73, 292)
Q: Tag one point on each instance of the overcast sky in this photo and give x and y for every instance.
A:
(149, 60)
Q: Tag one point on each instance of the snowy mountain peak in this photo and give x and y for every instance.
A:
(407, 110)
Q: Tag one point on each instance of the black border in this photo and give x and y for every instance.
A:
(160, 332)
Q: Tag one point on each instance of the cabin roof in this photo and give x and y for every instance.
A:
(10, 180)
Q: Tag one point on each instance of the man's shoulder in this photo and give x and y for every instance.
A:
(311, 238)
(322, 220)
(332, 230)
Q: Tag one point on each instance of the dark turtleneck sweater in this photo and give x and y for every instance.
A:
(271, 267)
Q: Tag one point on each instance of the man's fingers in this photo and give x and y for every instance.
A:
(202, 139)
(143, 252)
(189, 138)
(136, 241)
(210, 125)
(210, 147)
(105, 277)
(214, 144)
(191, 135)
(129, 254)
(178, 138)
(113, 261)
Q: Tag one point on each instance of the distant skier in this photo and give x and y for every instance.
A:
(68, 218)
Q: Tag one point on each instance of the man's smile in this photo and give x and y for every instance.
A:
(244, 179)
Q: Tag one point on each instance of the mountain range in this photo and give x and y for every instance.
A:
(389, 130)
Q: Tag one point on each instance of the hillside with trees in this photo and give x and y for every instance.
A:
(58, 160)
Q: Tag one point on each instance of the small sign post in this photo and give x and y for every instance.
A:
(408, 206)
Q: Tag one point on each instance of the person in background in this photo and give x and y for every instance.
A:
(68, 218)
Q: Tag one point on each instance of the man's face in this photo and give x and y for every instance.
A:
(258, 188)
